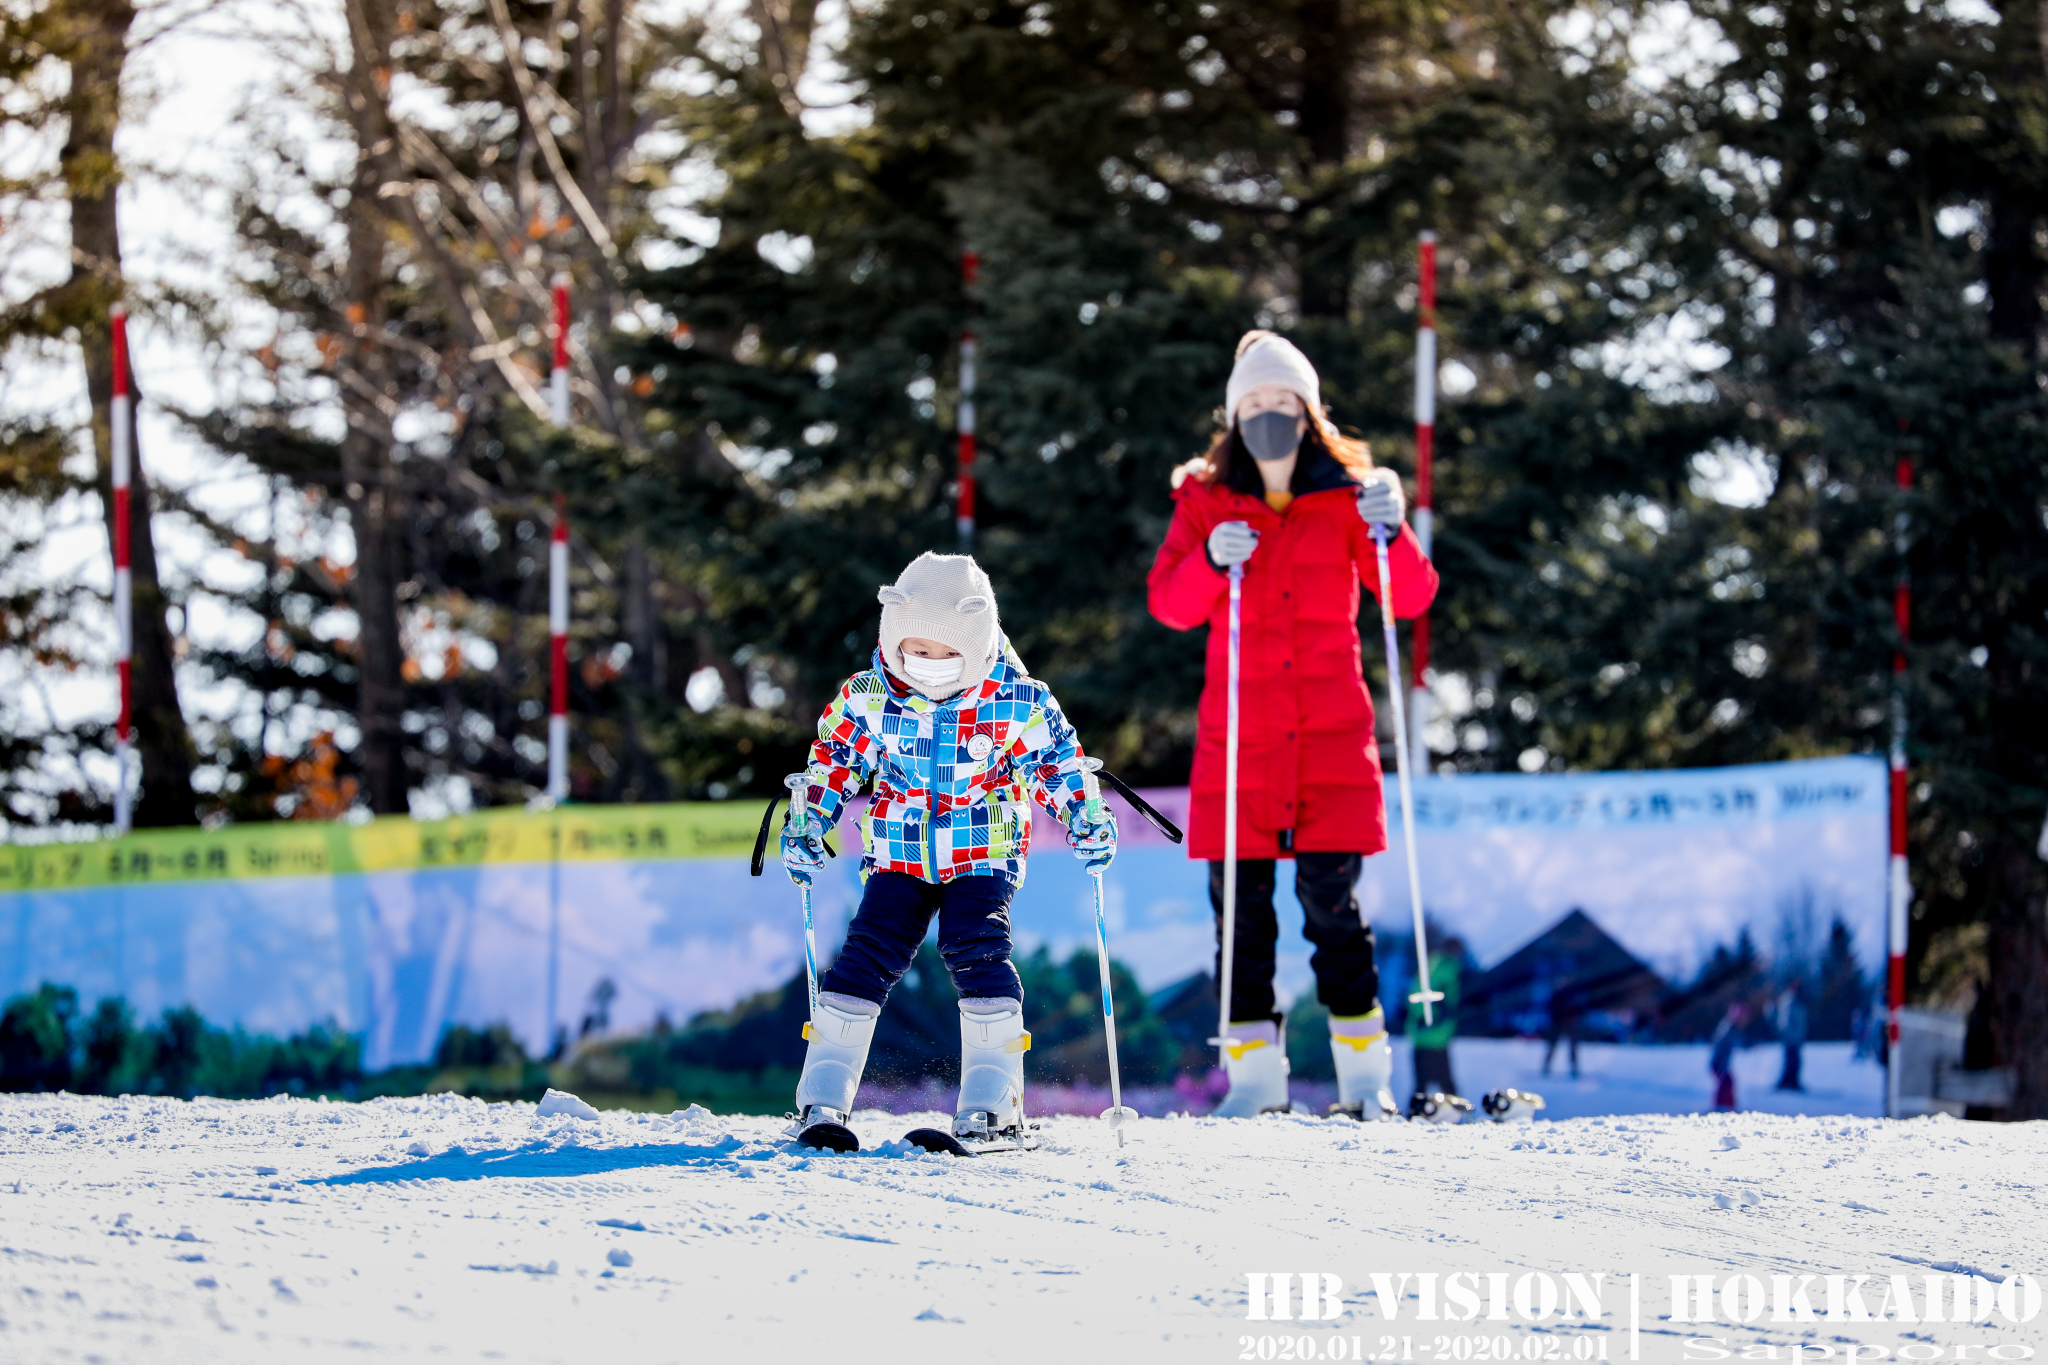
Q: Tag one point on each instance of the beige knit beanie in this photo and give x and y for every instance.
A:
(949, 599)
(1265, 358)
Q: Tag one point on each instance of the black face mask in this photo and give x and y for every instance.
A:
(1271, 435)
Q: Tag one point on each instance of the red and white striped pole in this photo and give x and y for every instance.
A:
(560, 330)
(963, 520)
(124, 584)
(558, 656)
(558, 573)
(1901, 883)
(1425, 458)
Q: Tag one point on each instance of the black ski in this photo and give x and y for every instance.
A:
(829, 1137)
(935, 1140)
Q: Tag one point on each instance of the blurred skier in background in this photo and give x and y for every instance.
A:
(1283, 495)
(1567, 1010)
(1721, 1061)
(1792, 1029)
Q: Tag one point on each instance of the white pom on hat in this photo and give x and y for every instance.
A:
(1267, 358)
(946, 598)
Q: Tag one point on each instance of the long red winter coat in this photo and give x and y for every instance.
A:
(1307, 758)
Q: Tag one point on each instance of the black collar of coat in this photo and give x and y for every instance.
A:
(1317, 471)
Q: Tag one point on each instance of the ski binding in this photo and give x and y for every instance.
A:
(1379, 1109)
(972, 1136)
(1437, 1107)
(1504, 1106)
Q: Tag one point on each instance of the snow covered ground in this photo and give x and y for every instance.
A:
(156, 1230)
(1663, 1079)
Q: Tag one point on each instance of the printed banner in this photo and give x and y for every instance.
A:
(700, 829)
(398, 928)
(1670, 863)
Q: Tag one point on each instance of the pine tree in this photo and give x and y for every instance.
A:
(1141, 185)
(62, 64)
(419, 308)
(1865, 167)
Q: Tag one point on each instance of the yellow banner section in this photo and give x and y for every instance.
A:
(686, 829)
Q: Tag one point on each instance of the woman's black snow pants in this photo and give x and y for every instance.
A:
(1347, 978)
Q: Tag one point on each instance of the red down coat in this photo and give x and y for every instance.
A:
(1307, 757)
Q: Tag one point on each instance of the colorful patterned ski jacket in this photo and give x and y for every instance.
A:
(950, 778)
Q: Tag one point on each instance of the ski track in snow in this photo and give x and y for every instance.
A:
(160, 1230)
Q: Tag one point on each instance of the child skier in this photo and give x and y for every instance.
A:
(953, 732)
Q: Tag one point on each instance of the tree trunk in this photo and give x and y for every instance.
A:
(2012, 266)
(648, 680)
(162, 741)
(98, 52)
(1325, 122)
(375, 499)
(2012, 271)
(643, 619)
(2018, 988)
(785, 48)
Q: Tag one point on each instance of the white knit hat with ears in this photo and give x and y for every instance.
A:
(1265, 358)
(949, 599)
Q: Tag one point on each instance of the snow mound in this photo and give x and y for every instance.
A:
(562, 1102)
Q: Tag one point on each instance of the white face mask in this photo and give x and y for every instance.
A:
(933, 673)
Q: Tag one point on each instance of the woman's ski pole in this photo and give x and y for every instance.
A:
(1223, 1040)
(1116, 1113)
(1422, 992)
(799, 785)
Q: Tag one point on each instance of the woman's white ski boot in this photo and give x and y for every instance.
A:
(1256, 1061)
(1365, 1066)
(840, 1034)
(990, 1114)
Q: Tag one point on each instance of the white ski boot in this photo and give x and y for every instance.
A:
(1365, 1066)
(1256, 1061)
(840, 1034)
(990, 1113)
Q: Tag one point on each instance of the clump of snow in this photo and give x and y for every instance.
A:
(696, 1120)
(562, 1102)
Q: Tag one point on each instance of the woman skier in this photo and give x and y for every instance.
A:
(958, 740)
(1283, 494)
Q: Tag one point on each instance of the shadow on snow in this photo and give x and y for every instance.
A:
(538, 1160)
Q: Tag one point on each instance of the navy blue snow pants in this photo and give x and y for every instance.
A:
(895, 914)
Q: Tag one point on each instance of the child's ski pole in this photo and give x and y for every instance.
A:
(1422, 992)
(799, 785)
(1223, 1040)
(1116, 1113)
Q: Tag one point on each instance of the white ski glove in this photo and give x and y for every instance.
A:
(1232, 542)
(1380, 501)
